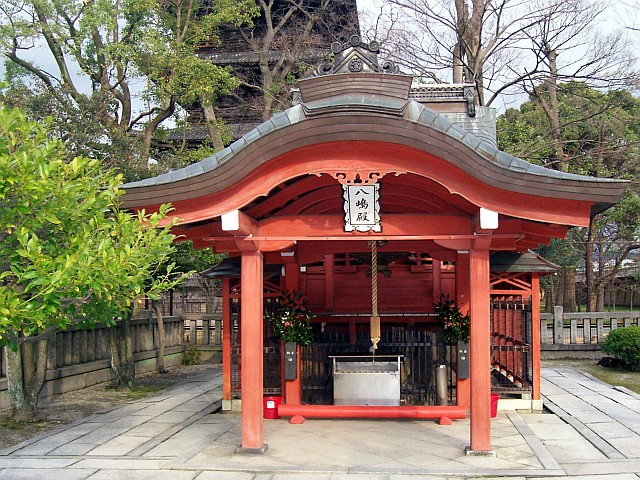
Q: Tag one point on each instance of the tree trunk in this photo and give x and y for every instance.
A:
(168, 108)
(569, 300)
(156, 305)
(549, 298)
(559, 288)
(602, 282)
(26, 371)
(457, 64)
(550, 105)
(588, 263)
(121, 345)
(601, 290)
(212, 126)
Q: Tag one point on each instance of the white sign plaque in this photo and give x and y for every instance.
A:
(362, 207)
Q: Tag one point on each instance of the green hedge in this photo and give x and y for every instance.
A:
(624, 343)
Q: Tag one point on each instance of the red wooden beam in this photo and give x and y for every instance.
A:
(323, 226)
(239, 223)
(368, 411)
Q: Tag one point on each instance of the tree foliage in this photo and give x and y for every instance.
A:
(127, 65)
(599, 131)
(69, 254)
(600, 136)
(187, 258)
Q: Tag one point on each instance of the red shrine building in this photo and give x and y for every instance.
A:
(375, 200)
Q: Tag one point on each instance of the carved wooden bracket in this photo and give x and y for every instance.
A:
(356, 177)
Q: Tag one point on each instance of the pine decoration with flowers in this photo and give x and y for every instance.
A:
(455, 325)
(290, 318)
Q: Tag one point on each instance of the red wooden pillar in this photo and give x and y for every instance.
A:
(251, 346)
(329, 281)
(479, 349)
(227, 331)
(436, 275)
(463, 291)
(291, 273)
(292, 388)
(535, 335)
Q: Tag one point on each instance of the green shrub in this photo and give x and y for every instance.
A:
(624, 343)
(191, 357)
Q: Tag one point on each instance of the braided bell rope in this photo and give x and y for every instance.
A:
(374, 324)
(374, 278)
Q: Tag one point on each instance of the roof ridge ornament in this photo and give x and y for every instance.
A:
(355, 56)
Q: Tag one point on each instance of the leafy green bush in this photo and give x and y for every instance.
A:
(290, 319)
(191, 357)
(456, 326)
(624, 343)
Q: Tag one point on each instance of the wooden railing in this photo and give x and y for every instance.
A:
(202, 330)
(79, 357)
(79, 351)
(582, 328)
(77, 346)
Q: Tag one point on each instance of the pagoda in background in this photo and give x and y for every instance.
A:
(241, 49)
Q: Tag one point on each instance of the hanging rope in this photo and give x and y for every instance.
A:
(374, 323)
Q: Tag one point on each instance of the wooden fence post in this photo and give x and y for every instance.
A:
(558, 325)
(218, 331)
(193, 332)
(206, 332)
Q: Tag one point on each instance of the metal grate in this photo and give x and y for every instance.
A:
(422, 351)
(511, 345)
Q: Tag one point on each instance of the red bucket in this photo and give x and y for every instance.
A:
(271, 405)
(494, 404)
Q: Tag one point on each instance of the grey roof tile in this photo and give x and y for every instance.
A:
(517, 163)
(412, 111)
(456, 132)
(164, 178)
(194, 169)
(471, 141)
(238, 145)
(280, 120)
(177, 175)
(342, 100)
(391, 103)
(252, 136)
(427, 117)
(487, 150)
(266, 127)
(224, 155)
(212, 162)
(295, 114)
(441, 123)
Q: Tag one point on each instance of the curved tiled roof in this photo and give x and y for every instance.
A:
(346, 109)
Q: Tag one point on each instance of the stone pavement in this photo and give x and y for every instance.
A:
(177, 435)
(607, 416)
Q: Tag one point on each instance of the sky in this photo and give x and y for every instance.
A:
(619, 13)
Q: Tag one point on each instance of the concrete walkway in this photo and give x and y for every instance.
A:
(177, 435)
